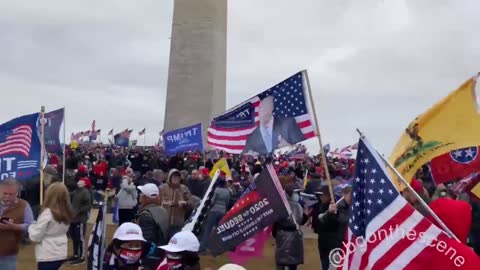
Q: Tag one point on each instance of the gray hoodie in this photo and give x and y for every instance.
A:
(127, 196)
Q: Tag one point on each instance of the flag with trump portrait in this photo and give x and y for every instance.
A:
(20, 148)
(276, 118)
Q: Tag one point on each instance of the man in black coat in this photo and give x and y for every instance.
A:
(272, 132)
(330, 221)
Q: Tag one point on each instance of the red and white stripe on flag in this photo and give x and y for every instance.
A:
(233, 140)
(394, 239)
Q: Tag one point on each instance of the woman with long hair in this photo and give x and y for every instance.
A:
(50, 231)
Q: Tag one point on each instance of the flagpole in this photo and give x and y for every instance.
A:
(322, 151)
(64, 143)
(42, 147)
(422, 202)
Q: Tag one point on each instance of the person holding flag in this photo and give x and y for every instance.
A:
(386, 232)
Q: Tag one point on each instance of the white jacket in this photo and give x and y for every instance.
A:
(50, 237)
(127, 196)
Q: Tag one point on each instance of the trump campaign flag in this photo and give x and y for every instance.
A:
(252, 248)
(20, 148)
(262, 204)
(53, 127)
(455, 164)
(385, 232)
(183, 140)
(275, 118)
(123, 138)
(452, 123)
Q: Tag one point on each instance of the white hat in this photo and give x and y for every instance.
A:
(231, 266)
(149, 190)
(182, 241)
(128, 232)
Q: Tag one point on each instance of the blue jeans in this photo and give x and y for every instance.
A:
(8, 263)
(97, 197)
(49, 265)
(212, 220)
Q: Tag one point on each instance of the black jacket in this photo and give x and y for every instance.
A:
(153, 220)
(198, 187)
(313, 185)
(332, 227)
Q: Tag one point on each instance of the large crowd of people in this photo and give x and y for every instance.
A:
(152, 197)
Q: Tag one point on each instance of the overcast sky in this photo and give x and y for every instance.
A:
(373, 64)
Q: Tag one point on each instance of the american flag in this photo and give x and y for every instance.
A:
(382, 217)
(77, 136)
(229, 132)
(460, 186)
(126, 133)
(16, 141)
(344, 153)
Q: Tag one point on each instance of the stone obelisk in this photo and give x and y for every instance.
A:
(196, 90)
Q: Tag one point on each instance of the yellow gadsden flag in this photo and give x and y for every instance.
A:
(221, 165)
(453, 123)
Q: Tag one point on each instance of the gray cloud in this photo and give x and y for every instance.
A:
(373, 64)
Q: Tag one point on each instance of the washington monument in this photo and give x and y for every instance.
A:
(196, 87)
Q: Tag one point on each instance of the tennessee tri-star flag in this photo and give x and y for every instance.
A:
(385, 231)
(455, 164)
(275, 118)
(20, 148)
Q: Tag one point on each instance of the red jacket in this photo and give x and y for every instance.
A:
(445, 259)
(82, 169)
(100, 169)
(457, 216)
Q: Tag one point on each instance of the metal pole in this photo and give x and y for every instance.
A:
(42, 151)
(322, 152)
(422, 202)
(64, 143)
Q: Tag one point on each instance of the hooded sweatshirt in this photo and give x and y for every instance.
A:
(444, 252)
(170, 196)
